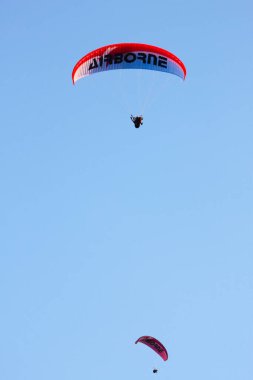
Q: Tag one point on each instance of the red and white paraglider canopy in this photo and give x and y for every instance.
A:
(128, 56)
(153, 343)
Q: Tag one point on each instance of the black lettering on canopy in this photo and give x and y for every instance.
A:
(130, 57)
(154, 57)
(108, 59)
(118, 58)
(101, 59)
(93, 64)
(156, 346)
(162, 61)
(142, 57)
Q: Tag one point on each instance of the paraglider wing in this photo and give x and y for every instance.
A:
(153, 343)
(128, 56)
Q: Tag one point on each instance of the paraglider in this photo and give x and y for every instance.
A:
(137, 120)
(153, 343)
(128, 56)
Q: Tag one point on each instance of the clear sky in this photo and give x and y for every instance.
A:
(109, 232)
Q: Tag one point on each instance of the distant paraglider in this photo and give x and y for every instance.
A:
(128, 56)
(137, 120)
(157, 346)
(153, 343)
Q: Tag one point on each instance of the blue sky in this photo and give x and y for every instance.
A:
(108, 232)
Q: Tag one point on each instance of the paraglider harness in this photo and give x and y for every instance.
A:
(137, 120)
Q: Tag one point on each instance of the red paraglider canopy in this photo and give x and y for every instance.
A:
(128, 55)
(153, 343)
